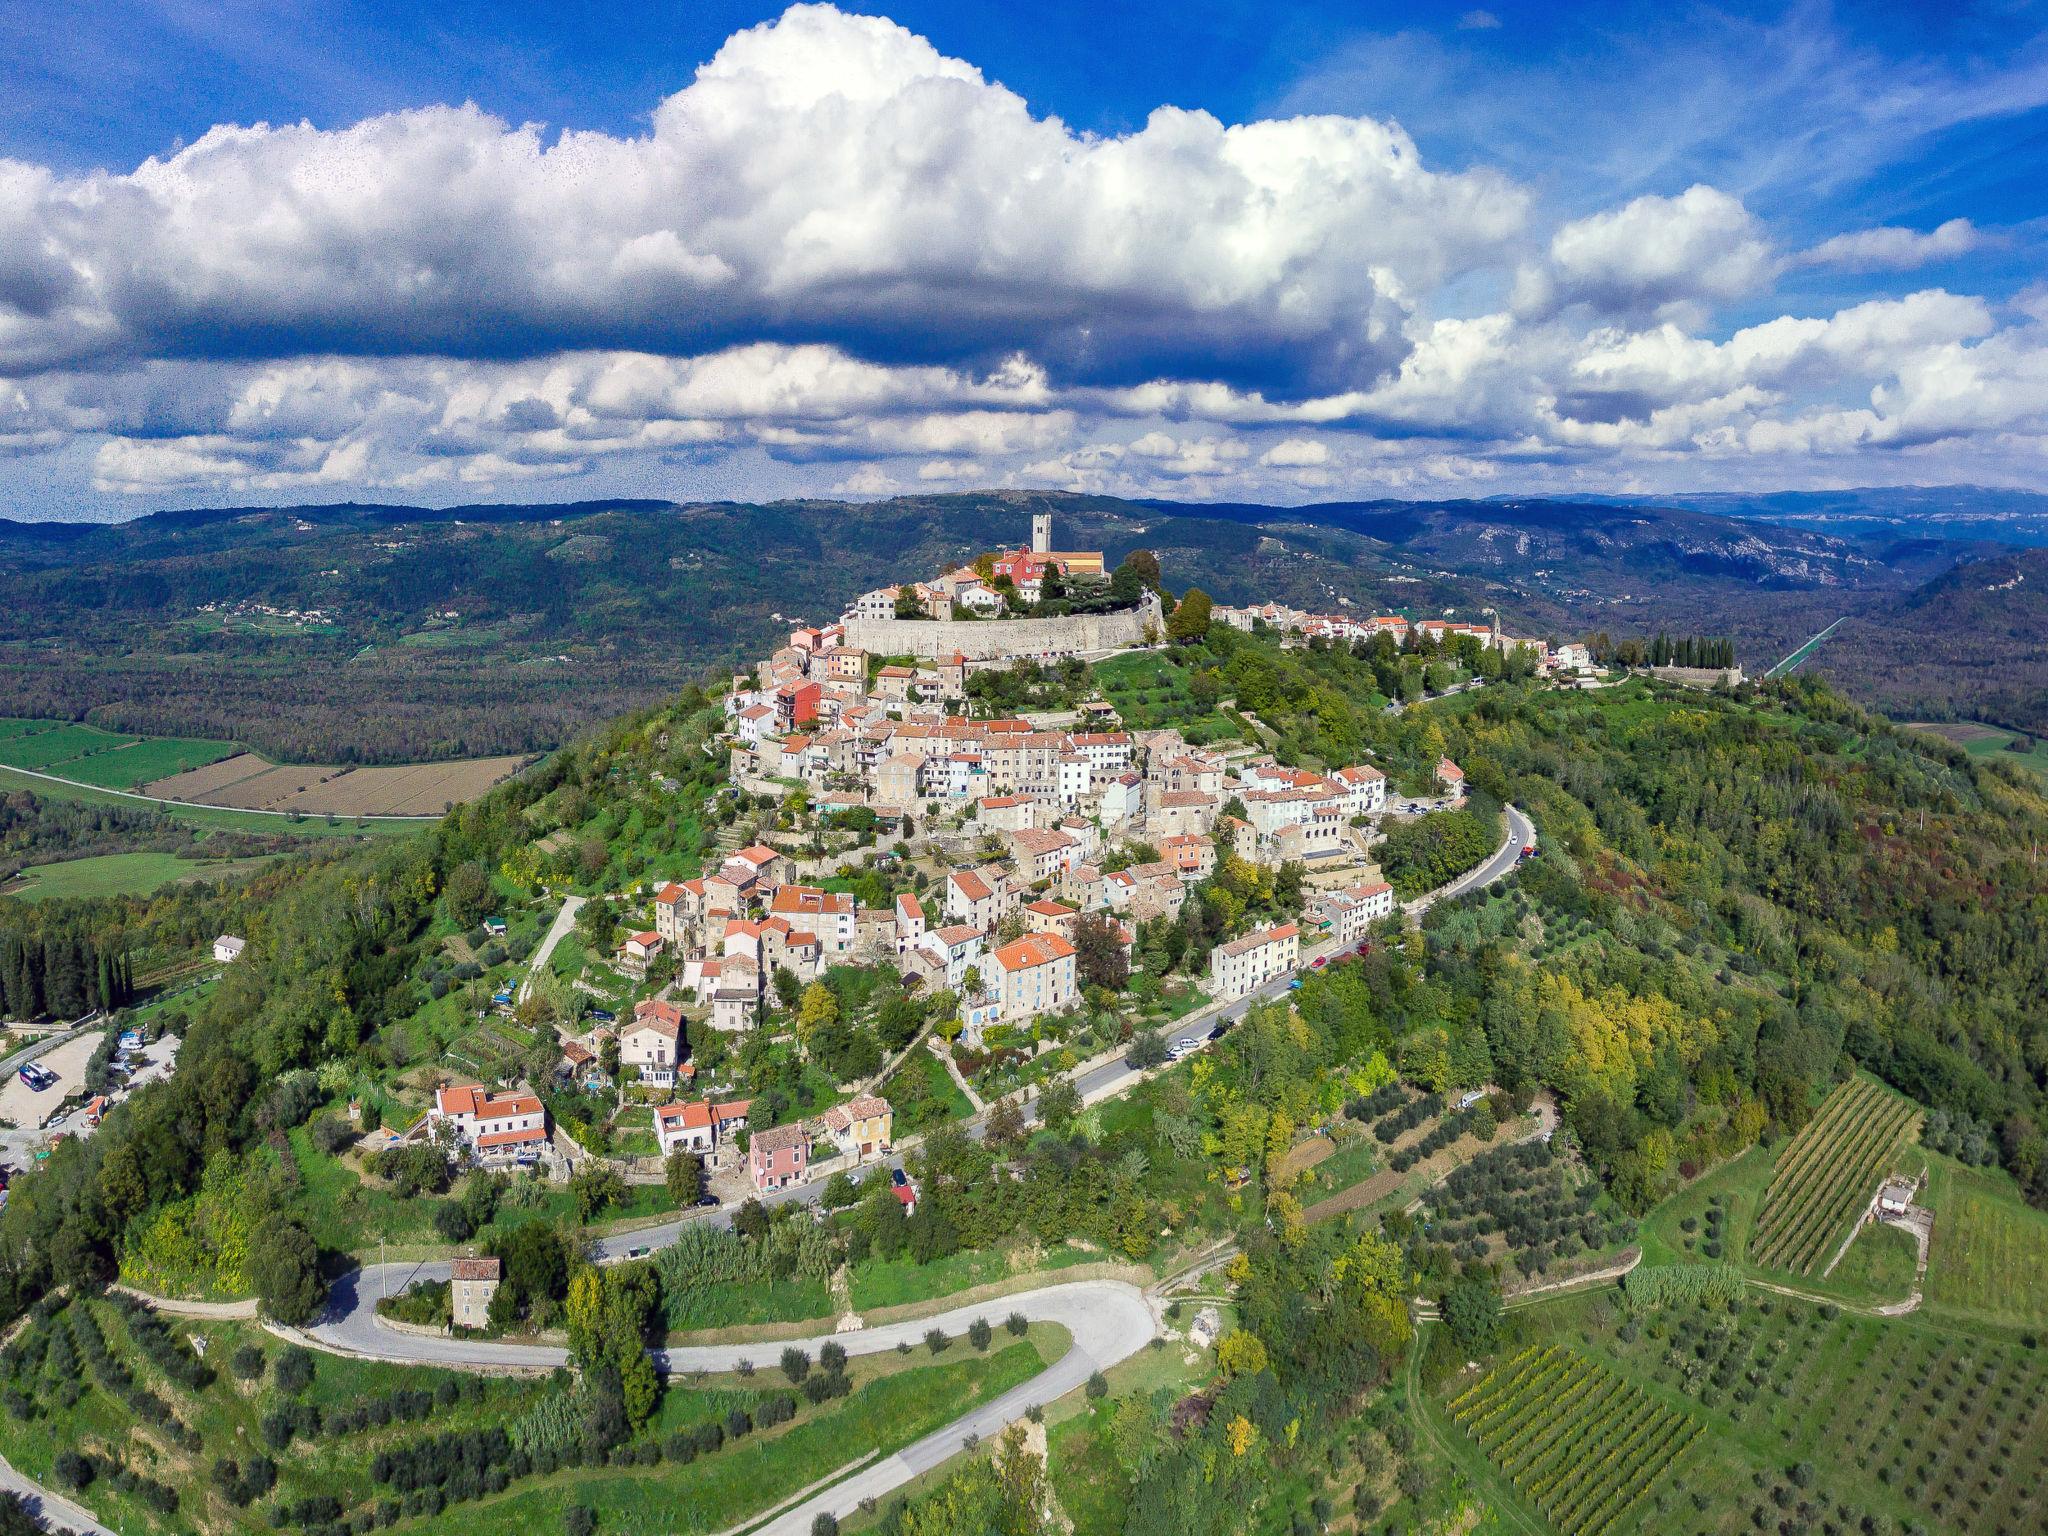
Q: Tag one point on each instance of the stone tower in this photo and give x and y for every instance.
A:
(1041, 533)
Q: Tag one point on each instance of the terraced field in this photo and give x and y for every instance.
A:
(1579, 1441)
(1827, 1176)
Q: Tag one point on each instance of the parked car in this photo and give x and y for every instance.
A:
(899, 1178)
(707, 1198)
(604, 1016)
(1184, 1046)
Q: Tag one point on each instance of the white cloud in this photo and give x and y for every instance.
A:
(1891, 249)
(1655, 252)
(1296, 453)
(840, 261)
(824, 176)
(1478, 21)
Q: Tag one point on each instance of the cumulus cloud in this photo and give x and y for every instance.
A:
(1655, 252)
(824, 178)
(846, 262)
(1891, 249)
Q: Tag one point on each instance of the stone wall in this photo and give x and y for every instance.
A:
(1003, 639)
(1698, 677)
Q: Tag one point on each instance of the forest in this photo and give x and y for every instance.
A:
(482, 631)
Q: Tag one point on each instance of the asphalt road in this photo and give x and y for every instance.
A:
(52, 1508)
(1109, 1320)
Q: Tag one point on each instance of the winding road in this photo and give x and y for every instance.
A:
(1109, 1320)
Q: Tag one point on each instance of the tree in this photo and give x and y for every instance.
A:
(1472, 1311)
(284, 1268)
(1241, 1353)
(594, 1189)
(1148, 1050)
(1059, 1102)
(468, 894)
(685, 1176)
(818, 1010)
(1099, 958)
(1190, 621)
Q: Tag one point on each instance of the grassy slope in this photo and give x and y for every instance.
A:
(1988, 1261)
(123, 874)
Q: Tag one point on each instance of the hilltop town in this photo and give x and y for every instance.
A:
(1022, 859)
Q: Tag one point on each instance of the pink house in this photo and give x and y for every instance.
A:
(779, 1157)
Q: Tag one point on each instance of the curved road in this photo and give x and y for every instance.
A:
(1109, 1321)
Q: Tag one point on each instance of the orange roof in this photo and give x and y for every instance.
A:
(669, 894)
(511, 1138)
(971, 885)
(1033, 949)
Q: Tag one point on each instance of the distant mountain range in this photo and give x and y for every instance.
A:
(364, 633)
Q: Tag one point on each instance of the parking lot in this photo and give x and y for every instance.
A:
(24, 1108)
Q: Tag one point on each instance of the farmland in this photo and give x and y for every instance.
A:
(1990, 1254)
(247, 781)
(1814, 1416)
(1987, 741)
(104, 758)
(1577, 1440)
(1827, 1176)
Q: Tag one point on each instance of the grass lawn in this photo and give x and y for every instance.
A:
(123, 874)
(59, 743)
(714, 1492)
(794, 1300)
(1989, 1257)
(896, 1282)
(1878, 1265)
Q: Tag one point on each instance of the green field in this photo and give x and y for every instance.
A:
(894, 1400)
(1150, 691)
(93, 756)
(1986, 741)
(123, 874)
(1827, 1175)
(1989, 1256)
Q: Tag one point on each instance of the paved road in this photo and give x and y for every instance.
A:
(1109, 1321)
(52, 1508)
(1521, 834)
(558, 931)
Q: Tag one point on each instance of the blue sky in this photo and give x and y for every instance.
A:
(1430, 250)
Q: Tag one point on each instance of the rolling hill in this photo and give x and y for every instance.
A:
(363, 633)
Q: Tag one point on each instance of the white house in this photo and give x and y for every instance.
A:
(654, 1041)
(1348, 913)
(494, 1127)
(227, 949)
(698, 1128)
(1244, 965)
(1031, 975)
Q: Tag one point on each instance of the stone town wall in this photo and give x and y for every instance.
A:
(1007, 639)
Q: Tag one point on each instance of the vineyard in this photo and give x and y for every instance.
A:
(1578, 1441)
(1827, 1176)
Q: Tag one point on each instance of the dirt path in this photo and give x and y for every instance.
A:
(216, 1310)
(564, 921)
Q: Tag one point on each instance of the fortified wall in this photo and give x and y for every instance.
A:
(1008, 639)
